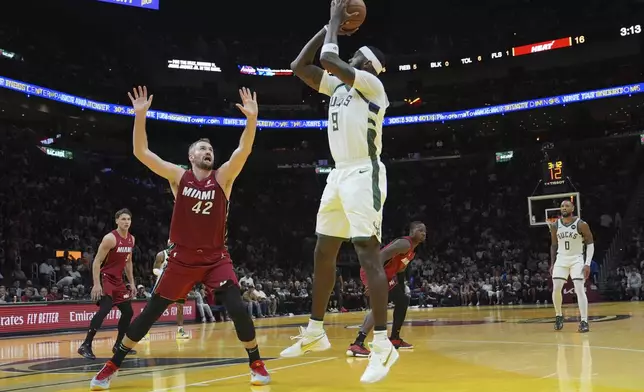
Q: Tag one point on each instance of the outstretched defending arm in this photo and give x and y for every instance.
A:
(141, 104)
(229, 171)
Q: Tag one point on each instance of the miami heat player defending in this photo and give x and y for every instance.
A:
(198, 230)
(354, 196)
(395, 257)
(113, 256)
(568, 236)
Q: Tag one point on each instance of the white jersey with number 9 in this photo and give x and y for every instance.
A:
(356, 115)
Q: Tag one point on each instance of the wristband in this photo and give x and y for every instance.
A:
(330, 48)
(326, 28)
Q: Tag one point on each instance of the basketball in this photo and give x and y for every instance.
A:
(359, 7)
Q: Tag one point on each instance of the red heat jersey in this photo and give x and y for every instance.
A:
(200, 213)
(114, 264)
(398, 263)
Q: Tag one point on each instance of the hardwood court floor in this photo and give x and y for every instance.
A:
(482, 349)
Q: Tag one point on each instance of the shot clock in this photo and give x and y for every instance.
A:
(554, 173)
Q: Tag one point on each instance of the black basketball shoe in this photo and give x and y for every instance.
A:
(85, 350)
(559, 322)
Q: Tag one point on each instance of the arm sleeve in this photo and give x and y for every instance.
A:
(328, 84)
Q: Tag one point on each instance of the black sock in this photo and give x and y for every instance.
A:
(381, 328)
(253, 355)
(316, 319)
(90, 337)
(360, 339)
(119, 355)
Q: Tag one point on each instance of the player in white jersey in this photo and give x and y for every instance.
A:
(352, 202)
(569, 235)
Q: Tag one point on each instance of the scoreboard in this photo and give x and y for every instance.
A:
(554, 172)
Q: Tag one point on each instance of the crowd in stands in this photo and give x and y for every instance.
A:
(480, 248)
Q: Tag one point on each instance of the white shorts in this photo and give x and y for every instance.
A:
(565, 266)
(352, 201)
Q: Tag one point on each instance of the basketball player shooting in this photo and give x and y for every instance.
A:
(113, 256)
(198, 230)
(568, 236)
(352, 201)
(395, 257)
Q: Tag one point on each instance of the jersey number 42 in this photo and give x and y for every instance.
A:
(202, 208)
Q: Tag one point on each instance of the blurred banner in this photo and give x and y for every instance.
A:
(149, 4)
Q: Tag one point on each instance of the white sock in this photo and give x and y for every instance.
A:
(557, 296)
(315, 326)
(380, 336)
(582, 299)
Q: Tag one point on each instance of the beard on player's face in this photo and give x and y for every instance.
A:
(565, 214)
(204, 162)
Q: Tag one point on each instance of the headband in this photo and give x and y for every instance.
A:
(368, 54)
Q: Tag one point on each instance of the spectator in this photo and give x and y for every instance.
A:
(142, 292)
(262, 298)
(202, 307)
(46, 272)
(18, 275)
(54, 295)
(44, 294)
(28, 295)
(247, 279)
(4, 296)
(72, 276)
(251, 302)
(634, 285)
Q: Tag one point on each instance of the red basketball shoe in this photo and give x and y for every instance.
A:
(358, 350)
(258, 374)
(401, 344)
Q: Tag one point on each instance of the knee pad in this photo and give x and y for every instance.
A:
(238, 312)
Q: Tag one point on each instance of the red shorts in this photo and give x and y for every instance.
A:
(187, 267)
(393, 281)
(116, 290)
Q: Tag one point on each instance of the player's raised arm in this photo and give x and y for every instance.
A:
(303, 66)
(107, 244)
(330, 56)
(398, 247)
(554, 245)
(229, 171)
(141, 104)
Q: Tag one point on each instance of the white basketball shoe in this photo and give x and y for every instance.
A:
(382, 358)
(307, 341)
